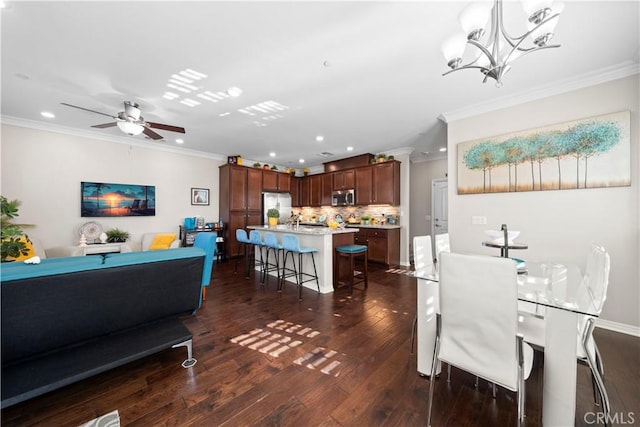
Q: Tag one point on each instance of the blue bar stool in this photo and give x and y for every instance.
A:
(351, 252)
(243, 244)
(291, 246)
(255, 239)
(272, 244)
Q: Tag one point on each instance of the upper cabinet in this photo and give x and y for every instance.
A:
(344, 180)
(378, 184)
(244, 187)
(386, 183)
(326, 189)
(276, 181)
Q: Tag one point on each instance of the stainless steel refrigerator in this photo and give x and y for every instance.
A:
(280, 201)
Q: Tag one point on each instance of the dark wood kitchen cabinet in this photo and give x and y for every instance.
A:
(295, 192)
(276, 181)
(315, 190)
(240, 200)
(344, 180)
(378, 184)
(326, 189)
(383, 244)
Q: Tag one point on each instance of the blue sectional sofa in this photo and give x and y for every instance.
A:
(66, 319)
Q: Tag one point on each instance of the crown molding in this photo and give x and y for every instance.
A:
(593, 78)
(32, 124)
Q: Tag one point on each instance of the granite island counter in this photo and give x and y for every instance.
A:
(324, 239)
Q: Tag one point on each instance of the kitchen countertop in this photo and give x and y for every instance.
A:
(304, 229)
(385, 226)
(322, 225)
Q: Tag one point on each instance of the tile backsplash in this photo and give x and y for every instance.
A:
(376, 213)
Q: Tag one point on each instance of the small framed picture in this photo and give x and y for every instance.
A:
(200, 196)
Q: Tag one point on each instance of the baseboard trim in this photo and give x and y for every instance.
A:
(618, 327)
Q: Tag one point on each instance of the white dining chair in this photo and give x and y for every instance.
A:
(478, 323)
(596, 281)
(426, 301)
(441, 245)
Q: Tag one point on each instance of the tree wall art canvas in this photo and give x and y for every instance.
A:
(99, 199)
(586, 153)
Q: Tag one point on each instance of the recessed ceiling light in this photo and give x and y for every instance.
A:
(443, 149)
(301, 160)
(272, 154)
(234, 91)
(180, 141)
(319, 138)
(47, 114)
(349, 148)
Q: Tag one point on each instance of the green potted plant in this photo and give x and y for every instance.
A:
(257, 165)
(14, 241)
(391, 157)
(115, 235)
(272, 215)
(365, 219)
(274, 168)
(381, 157)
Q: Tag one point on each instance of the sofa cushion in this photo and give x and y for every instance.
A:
(162, 241)
(49, 267)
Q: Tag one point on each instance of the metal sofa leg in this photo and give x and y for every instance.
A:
(190, 361)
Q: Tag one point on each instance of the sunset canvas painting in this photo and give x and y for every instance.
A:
(103, 199)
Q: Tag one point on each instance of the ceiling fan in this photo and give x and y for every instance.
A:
(131, 122)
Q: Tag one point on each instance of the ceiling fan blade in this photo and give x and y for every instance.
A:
(165, 127)
(86, 109)
(151, 134)
(106, 125)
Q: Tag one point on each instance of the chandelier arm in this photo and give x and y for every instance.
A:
(484, 50)
(465, 67)
(515, 41)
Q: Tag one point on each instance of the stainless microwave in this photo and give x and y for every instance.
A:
(343, 198)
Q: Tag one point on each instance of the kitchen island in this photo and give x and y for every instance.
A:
(324, 239)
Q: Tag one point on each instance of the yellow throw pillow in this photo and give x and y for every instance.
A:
(31, 253)
(162, 241)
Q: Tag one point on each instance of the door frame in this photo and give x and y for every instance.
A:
(433, 202)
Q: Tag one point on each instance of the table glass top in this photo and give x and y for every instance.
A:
(550, 285)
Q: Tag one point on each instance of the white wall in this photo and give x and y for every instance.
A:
(560, 225)
(44, 169)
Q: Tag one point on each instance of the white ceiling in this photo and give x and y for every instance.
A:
(362, 74)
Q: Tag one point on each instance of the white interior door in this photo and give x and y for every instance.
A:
(439, 207)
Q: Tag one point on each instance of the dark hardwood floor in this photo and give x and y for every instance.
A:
(331, 360)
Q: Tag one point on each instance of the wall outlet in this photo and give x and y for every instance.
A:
(479, 220)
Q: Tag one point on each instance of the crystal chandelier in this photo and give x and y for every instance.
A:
(499, 50)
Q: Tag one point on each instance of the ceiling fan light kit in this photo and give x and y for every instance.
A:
(131, 122)
(130, 128)
(496, 54)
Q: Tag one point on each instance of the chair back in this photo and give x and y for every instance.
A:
(255, 238)
(290, 242)
(442, 244)
(241, 235)
(596, 275)
(207, 242)
(479, 316)
(271, 240)
(422, 255)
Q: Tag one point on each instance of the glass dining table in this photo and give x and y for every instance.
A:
(555, 292)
